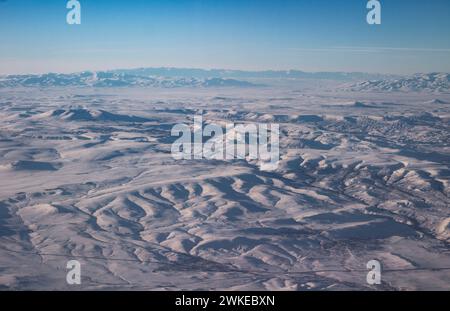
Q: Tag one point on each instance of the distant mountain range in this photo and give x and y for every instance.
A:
(432, 82)
(170, 78)
(241, 74)
(179, 77)
(116, 79)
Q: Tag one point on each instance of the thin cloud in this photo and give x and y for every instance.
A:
(360, 49)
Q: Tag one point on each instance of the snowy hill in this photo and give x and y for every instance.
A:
(433, 82)
(84, 114)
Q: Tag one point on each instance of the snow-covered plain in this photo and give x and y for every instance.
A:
(87, 174)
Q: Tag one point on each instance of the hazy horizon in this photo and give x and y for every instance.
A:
(213, 69)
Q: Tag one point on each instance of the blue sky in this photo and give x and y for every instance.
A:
(310, 35)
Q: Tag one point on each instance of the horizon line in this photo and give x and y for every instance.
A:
(221, 69)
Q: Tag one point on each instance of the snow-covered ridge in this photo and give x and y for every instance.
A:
(115, 79)
(432, 82)
(84, 114)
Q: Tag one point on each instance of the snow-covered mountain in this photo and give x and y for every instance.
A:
(432, 82)
(176, 77)
(241, 74)
(115, 79)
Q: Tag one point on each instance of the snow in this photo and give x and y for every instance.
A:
(433, 82)
(87, 174)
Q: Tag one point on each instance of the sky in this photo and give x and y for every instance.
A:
(309, 35)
